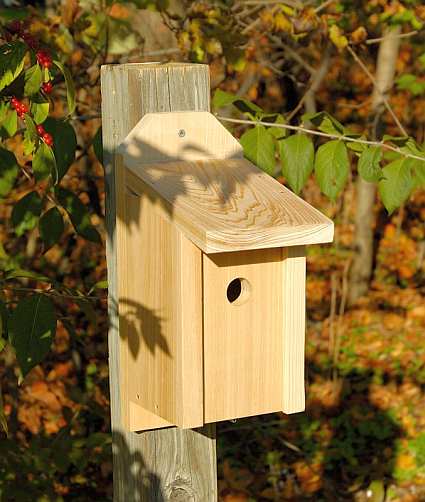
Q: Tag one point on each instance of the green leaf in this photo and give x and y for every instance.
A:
(9, 169)
(121, 36)
(64, 144)
(411, 83)
(30, 135)
(32, 326)
(11, 14)
(396, 185)
(20, 273)
(11, 62)
(377, 490)
(356, 147)
(26, 212)
(40, 110)
(332, 167)
(324, 122)
(3, 419)
(259, 148)
(32, 130)
(297, 154)
(369, 164)
(275, 118)
(43, 162)
(70, 89)
(98, 145)
(33, 78)
(9, 125)
(419, 172)
(51, 227)
(4, 323)
(99, 285)
(222, 99)
(78, 214)
(397, 140)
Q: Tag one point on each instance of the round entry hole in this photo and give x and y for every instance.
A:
(238, 291)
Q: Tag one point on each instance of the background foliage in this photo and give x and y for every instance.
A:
(295, 81)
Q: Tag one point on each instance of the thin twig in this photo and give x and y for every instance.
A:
(402, 35)
(49, 293)
(251, 25)
(293, 54)
(291, 3)
(334, 287)
(384, 98)
(342, 305)
(380, 144)
(356, 106)
(323, 6)
(316, 80)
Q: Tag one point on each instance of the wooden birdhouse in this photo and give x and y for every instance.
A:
(211, 278)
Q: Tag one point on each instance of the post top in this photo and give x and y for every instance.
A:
(151, 65)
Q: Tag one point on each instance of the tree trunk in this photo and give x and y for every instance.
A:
(362, 268)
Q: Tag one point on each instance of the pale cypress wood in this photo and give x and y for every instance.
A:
(170, 464)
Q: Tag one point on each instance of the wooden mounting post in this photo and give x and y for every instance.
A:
(168, 464)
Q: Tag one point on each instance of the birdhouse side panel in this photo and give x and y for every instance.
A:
(294, 312)
(156, 263)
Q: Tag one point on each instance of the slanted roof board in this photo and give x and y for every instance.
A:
(231, 205)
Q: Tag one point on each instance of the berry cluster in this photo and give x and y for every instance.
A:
(47, 87)
(45, 136)
(21, 108)
(44, 59)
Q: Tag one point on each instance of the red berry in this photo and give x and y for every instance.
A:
(14, 102)
(47, 87)
(47, 138)
(40, 130)
(44, 59)
(21, 108)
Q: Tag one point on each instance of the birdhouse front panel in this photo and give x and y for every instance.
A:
(243, 343)
(211, 278)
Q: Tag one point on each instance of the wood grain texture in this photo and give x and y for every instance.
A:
(160, 314)
(231, 205)
(164, 137)
(165, 464)
(293, 329)
(243, 351)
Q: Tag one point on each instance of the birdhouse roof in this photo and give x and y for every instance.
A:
(195, 169)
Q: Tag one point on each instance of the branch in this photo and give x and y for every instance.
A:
(292, 54)
(323, 6)
(291, 3)
(402, 35)
(315, 82)
(313, 132)
(383, 97)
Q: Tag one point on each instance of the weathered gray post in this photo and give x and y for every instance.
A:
(169, 464)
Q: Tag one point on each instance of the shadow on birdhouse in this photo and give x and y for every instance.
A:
(214, 250)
